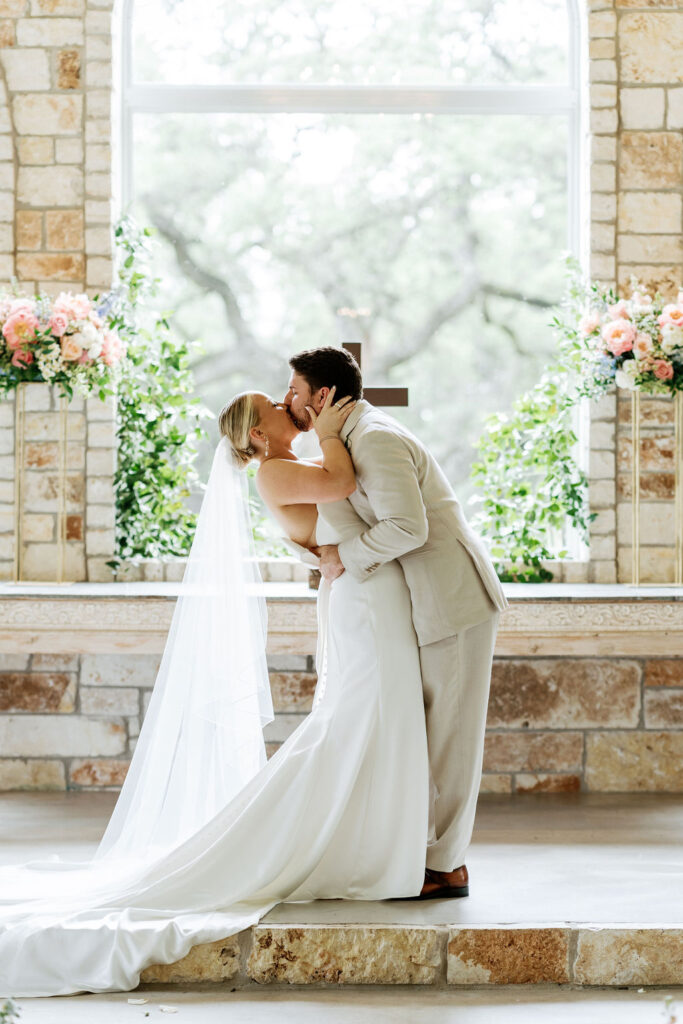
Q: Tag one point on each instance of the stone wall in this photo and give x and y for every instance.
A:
(636, 120)
(555, 724)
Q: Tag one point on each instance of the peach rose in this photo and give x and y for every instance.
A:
(672, 314)
(589, 323)
(58, 324)
(71, 347)
(662, 369)
(112, 348)
(20, 328)
(21, 358)
(619, 336)
(642, 345)
(619, 310)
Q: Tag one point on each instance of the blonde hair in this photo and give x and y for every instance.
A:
(235, 421)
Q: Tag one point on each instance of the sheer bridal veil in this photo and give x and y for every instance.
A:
(201, 739)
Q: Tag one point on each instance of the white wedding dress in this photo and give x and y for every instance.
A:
(340, 811)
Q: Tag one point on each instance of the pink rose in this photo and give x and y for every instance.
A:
(672, 314)
(22, 303)
(71, 349)
(112, 349)
(619, 310)
(20, 328)
(662, 369)
(21, 358)
(642, 345)
(85, 357)
(589, 323)
(58, 323)
(619, 336)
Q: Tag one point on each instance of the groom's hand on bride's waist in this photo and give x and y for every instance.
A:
(330, 563)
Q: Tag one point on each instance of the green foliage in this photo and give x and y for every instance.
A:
(158, 420)
(9, 1012)
(531, 487)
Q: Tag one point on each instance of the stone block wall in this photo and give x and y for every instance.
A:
(636, 124)
(90, 465)
(555, 724)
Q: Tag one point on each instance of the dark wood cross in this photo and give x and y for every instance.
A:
(387, 397)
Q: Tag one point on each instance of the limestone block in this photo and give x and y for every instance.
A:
(98, 103)
(603, 121)
(46, 455)
(101, 462)
(37, 691)
(68, 69)
(629, 762)
(6, 207)
(649, 248)
(97, 211)
(99, 571)
(209, 962)
(102, 432)
(50, 32)
(658, 486)
(650, 160)
(98, 241)
(602, 71)
(102, 772)
(101, 410)
(100, 490)
(103, 516)
(55, 662)
(98, 23)
(602, 434)
(12, 8)
(38, 114)
(602, 268)
(50, 266)
(50, 186)
(60, 735)
(99, 48)
(29, 229)
(98, 73)
(654, 278)
(175, 570)
(629, 956)
(650, 47)
(64, 229)
(664, 709)
(602, 24)
(603, 95)
(26, 69)
(654, 412)
(58, 7)
(282, 727)
(99, 272)
(287, 663)
(338, 955)
(649, 212)
(602, 49)
(603, 147)
(674, 116)
(656, 452)
(119, 669)
(664, 672)
(495, 782)
(605, 408)
(100, 542)
(152, 571)
(642, 108)
(39, 528)
(576, 572)
(68, 151)
(544, 693)
(544, 783)
(20, 773)
(508, 956)
(656, 523)
(44, 426)
(98, 129)
(544, 751)
(602, 237)
(292, 691)
(656, 564)
(109, 700)
(11, 662)
(601, 465)
(7, 33)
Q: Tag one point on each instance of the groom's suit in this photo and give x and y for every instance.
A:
(413, 516)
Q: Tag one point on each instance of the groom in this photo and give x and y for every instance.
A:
(412, 515)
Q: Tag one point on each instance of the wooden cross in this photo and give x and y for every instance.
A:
(387, 397)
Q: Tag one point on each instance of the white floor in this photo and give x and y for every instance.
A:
(357, 1006)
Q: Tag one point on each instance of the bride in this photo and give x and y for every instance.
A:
(206, 836)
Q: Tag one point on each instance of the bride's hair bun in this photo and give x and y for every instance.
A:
(235, 422)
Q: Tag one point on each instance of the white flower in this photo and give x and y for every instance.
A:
(95, 350)
(89, 335)
(624, 378)
(672, 338)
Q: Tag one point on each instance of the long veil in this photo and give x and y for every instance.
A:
(201, 739)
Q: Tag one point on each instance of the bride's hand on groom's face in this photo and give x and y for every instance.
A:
(332, 416)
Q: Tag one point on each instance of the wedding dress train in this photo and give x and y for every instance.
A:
(340, 811)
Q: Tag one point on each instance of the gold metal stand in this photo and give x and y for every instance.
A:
(678, 487)
(20, 488)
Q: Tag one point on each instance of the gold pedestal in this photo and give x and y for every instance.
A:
(20, 488)
(678, 487)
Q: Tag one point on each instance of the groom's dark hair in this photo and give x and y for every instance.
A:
(327, 367)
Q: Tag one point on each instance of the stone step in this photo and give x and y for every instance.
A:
(405, 954)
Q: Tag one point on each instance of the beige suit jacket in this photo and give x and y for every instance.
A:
(413, 515)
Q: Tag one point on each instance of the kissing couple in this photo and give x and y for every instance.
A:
(373, 796)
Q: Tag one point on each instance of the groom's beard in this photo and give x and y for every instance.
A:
(299, 422)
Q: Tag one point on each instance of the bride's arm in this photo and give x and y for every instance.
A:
(287, 482)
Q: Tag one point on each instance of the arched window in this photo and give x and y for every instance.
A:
(323, 170)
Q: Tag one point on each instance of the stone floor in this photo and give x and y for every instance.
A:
(568, 888)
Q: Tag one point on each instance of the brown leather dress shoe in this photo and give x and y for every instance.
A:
(444, 885)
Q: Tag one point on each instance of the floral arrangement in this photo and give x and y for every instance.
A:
(636, 343)
(66, 341)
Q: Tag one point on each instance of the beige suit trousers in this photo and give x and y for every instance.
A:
(456, 676)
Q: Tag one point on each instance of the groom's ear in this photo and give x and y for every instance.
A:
(319, 398)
